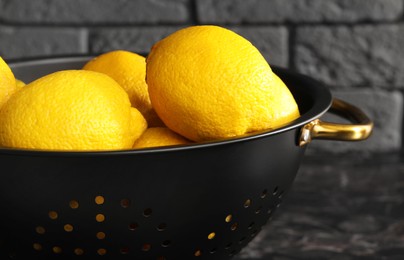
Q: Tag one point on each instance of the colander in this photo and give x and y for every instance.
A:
(200, 201)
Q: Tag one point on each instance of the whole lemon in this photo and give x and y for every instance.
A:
(208, 83)
(129, 70)
(159, 136)
(7, 82)
(70, 110)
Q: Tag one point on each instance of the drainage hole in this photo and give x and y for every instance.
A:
(78, 251)
(37, 246)
(74, 204)
(166, 243)
(211, 235)
(198, 252)
(99, 200)
(100, 218)
(40, 230)
(125, 203)
(232, 253)
(228, 245)
(146, 247)
(147, 212)
(53, 214)
(124, 250)
(68, 228)
(100, 235)
(251, 225)
(234, 226)
(162, 227)
(133, 226)
(57, 249)
(264, 193)
(102, 251)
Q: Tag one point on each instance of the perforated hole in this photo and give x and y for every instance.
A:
(102, 251)
(100, 218)
(280, 195)
(242, 239)
(161, 258)
(275, 190)
(78, 251)
(213, 250)
(251, 225)
(40, 230)
(37, 246)
(247, 203)
(68, 227)
(53, 215)
(228, 245)
(211, 235)
(74, 204)
(254, 233)
(100, 235)
(228, 218)
(162, 227)
(264, 193)
(166, 243)
(234, 226)
(198, 252)
(57, 249)
(258, 210)
(99, 200)
(125, 203)
(147, 212)
(133, 226)
(146, 247)
(124, 250)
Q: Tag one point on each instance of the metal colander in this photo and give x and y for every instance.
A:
(200, 201)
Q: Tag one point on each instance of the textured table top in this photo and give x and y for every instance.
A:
(338, 209)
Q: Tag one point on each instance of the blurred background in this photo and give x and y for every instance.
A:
(348, 199)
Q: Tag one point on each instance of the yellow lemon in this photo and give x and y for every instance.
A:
(129, 70)
(7, 82)
(208, 83)
(159, 136)
(71, 110)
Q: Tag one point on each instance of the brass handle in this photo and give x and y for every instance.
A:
(317, 129)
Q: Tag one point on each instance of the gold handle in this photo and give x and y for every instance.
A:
(332, 131)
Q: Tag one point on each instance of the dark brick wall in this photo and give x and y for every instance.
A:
(356, 47)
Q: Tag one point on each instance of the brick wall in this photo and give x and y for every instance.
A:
(356, 47)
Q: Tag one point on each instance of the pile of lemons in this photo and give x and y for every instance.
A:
(200, 83)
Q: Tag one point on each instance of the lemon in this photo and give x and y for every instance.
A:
(7, 82)
(159, 136)
(71, 110)
(209, 83)
(129, 70)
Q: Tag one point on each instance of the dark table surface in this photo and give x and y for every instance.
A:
(342, 209)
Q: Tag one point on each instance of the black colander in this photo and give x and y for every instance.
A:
(200, 201)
